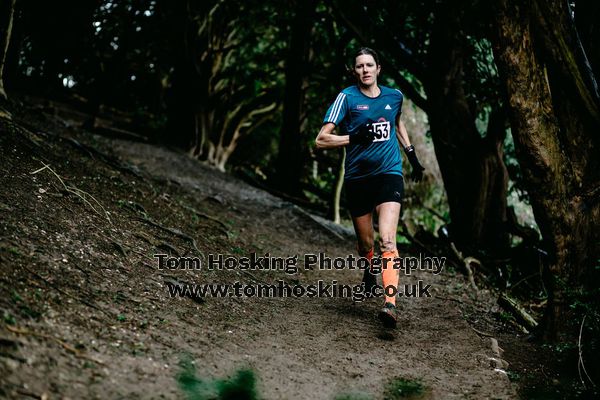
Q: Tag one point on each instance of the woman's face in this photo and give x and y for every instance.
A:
(366, 70)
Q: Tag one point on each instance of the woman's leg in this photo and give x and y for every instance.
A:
(363, 226)
(388, 213)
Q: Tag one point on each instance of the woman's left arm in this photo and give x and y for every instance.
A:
(401, 133)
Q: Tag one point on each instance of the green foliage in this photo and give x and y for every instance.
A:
(585, 305)
(505, 317)
(513, 375)
(16, 297)
(560, 389)
(428, 196)
(482, 82)
(400, 239)
(8, 318)
(402, 388)
(14, 250)
(241, 386)
(238, 250)
(23, 307)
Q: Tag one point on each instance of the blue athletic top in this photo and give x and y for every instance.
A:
(352, 109)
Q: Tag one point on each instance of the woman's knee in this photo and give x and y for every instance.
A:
(365, 246)
(387, 243)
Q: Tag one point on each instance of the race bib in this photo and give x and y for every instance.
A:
(381, 131)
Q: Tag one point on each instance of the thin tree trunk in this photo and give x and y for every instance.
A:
(490, 216)
(247, 123)
(187, 94)
(7, 8)
(289, 163)
(339, 182)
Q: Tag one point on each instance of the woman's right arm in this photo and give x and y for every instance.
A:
(326, 139)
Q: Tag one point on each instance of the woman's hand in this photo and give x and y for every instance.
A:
(417, 168)
(364, 135)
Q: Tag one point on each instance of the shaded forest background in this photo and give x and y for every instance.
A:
(503, 105)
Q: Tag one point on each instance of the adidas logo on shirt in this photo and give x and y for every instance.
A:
(387, 107)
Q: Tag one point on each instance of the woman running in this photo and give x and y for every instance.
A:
(368, 117)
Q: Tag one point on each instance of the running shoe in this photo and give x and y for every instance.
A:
(388, 315)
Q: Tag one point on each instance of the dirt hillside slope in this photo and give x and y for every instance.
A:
(86, 312)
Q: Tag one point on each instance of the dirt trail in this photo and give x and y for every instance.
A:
(87, 314)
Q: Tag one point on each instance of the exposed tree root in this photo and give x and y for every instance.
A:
(198, 213)
(173, 231)
(480, 333)
(224, 231)
(77, 192)
(467, 261)
(513, 307)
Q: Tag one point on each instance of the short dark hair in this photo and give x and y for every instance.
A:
(369, 52)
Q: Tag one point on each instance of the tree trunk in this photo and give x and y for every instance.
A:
(7, 8)
(337, 193)
(185, 95)
(246, 119)
(564, 200)
(472, 168)
(573, 86)
(289, 162)
(489, 219)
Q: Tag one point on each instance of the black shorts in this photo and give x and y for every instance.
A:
(364, 194)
